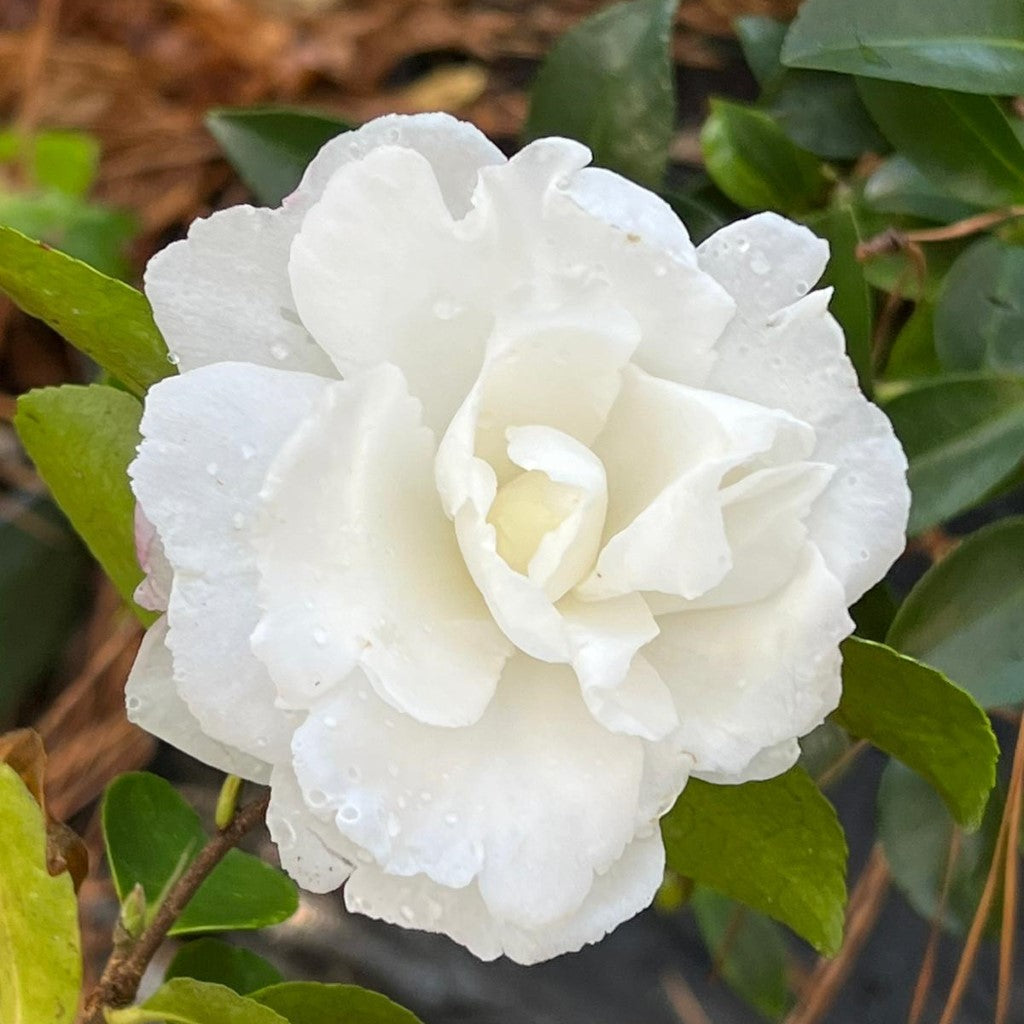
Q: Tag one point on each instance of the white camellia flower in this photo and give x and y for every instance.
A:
(485, 510)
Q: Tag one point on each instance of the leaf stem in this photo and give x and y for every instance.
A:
(124, 970)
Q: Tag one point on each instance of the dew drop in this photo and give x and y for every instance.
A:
(451, 818)
(330, 722)
(394, 825)
(286, 837)
(320, 636)
(434, 909)
(261, 741)
(247, 451)
(349, 813)
(407, 913)
(279, 351)
(864, 554)
(801, 287)
(660, 270)
(742, 244)
(238, 520)
(352, 772)
(173, 358)
(211, 468)
(316, 798)
(133, 704)
(758, 263)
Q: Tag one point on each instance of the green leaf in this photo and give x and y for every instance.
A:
(775, 846)
(64, 161)
(41, 965)
(899, 187)
(307, 1002)
(212, 960)
(43, 592)
(914, 713)
(966, 615)
(761, 39)
(749, 949)
(106, 319)
(897, 272)
(701, 218)
(152, 835)
(750, 159)
(971, 47)
(964, 144)
(913, 352)
(916, 830)
(270, 147)
(962, 436)
(81, 440)
(979, 317)
(608, 83)
(184, 1001)
(851, 301)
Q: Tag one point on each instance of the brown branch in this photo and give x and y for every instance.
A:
(893, 240)
(124, 970)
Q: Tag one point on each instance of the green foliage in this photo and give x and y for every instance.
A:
(185, 1001)
(212, 960)
(106, 319)
(749, 949)
(270, 147)
(912, 355)
(971, 47)
(962, 436)
(750, 159)
(63, 161)
(775, 846)
(307, 1002)
(152, 835)
(43, 570)
(609, 84)
(40, 969)
(917, 715)
(966, 615)
(916, 832)
(979, 318)
(963, 143)
(897, 186)
(81, 440)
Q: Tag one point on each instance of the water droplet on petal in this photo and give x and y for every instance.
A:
(286, 837)
(211, 468)
(394, 825)
(759, 264)
(742, 244)
(247, 451)
(330, 722)
(316, 798)
(173, 358)
(801, 287)
(279, 351)
(408, 914)
(238, 520)
(451, 818)
(320, 636)
(660, 270)
(349, 813)
(132, 704)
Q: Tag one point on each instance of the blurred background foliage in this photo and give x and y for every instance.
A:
(895, 131)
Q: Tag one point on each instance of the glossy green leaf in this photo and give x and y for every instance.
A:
(749, 950)
(916, 829)
(64, 161)
(761, 39)
(851, 300)
(966, 615)
(914, 713)
(898, 272)
(775, 846)
(270, 147)
(151, 834)
(971, 47)
(184, 1001)
(82, 440)
(41, 964)
(979, 316)
(219, 962)
(962, 436)
(912, 355)
(964, 144)
(701, 218)
(106, 319)
(43, 591)
(308, 1002)
(897, 186)
(750, 159)
(608, 83)
(874, 612)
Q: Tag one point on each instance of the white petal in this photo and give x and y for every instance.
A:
(359, 565)
(314, 853)
(790, 355)
(625, 889)
(154, 591)
(751, 676)
(530, 801)
(766, 764)
(208, 438)
(153, 704)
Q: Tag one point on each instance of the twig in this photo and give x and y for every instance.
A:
(124, 970)
(893, 240)
(829, 976)
(1010, 874)
(683, 1000)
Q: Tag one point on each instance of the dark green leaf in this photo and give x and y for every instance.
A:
(898, 187)
(271, 147)
(913, 352)
(775, 846)
(915, 714)
(916, 830)
(874, 612)
(212, 960)
(109, 321)
(899, 273)
(608, 84)
(972, 47)
(152, 834)
(81, 440)
(962, 436)
(749, 949)
(750, 159)
(184, 1001)
(851, 302)
(979, 317)
(41, 965)
(42, 594)
(308, 1002)
(964, 144)
(966, 615)
(761, 39)
(701, 218)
